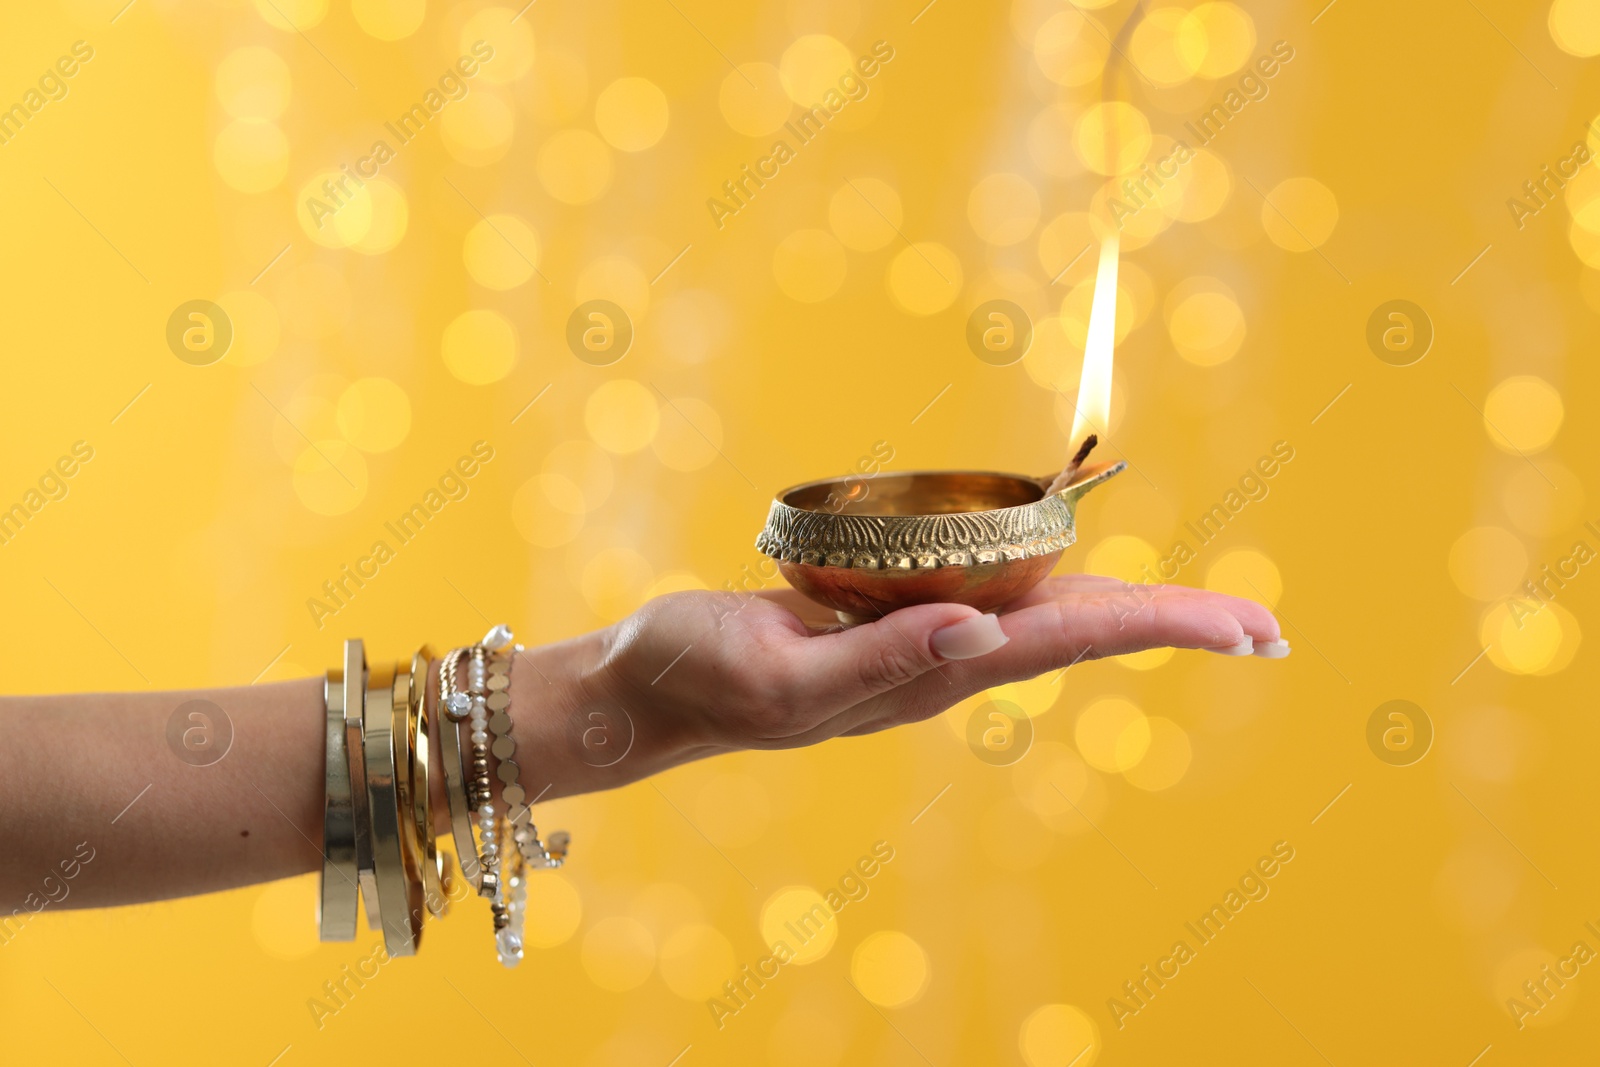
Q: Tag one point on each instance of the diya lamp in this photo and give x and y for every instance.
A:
(967, 537)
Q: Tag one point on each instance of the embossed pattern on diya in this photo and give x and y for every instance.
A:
(972, 537)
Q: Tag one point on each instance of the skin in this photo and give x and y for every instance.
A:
(688, 676)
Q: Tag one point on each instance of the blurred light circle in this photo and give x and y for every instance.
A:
(1165, 761)
(510, 37)
(1050, 141)
(1138, 220)
(618, 954)
(1112, 734)
(390, 216)
(695, 960)
(798, 916)
(479, 346)
(674, 582)
(256, 327)
(1058, 1034)
(890, 969)
(925, 278)
(733, 809)
(1207, 184)
(307, 414)
(333, 211)
(1123, 556)
(1575, 27)
(1523, 414)
(622, 416)
(253, 83)
(614, 581)
(389, 20)
(537, 521)
(1488, 563)
(1068, 50)
(1299, 214)
(812, 66)
(251, 156)
(618, 279)
(1585, 243)
(1112, 138)
(576, 476)
(477, 129)
(809, 265)
(1247, 574)
(753, 101)
(374, 414)
(631, 113)
(1535, 506)
(1148, 660)
(293, 16)
(1583, 196)
(1003, 208)
(1205, 321)
(690, 435)
(330, 477)
(1216, 39)
(865, 214)
(501, 252)
(278, 919)
(1157, 49)
(1524, 636)
(554, 910)
(574, 166)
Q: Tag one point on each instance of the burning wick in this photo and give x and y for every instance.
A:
(1094, 384)
(1070, 471)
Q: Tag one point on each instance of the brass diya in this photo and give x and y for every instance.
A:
(866, 546)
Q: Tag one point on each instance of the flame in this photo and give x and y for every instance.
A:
(1094, 386)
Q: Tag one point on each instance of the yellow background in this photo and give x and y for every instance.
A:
(792, 339)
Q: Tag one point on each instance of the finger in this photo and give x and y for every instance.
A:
(1255, 619)
(1050, 636)
(834, 671)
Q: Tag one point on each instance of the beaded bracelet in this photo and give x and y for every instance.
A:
(378, 820)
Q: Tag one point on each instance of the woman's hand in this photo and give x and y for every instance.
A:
(692, 674)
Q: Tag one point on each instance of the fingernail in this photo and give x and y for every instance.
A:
(1271, 649)
(1243, 647)
(969, 638)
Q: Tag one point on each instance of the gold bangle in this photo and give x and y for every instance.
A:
(455, 773)
(427, 852)
(336, 903)
(354, 700)
(383, 808)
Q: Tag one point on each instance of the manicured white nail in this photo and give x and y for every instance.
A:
(1272, 649)
(1243, 647)
(969, 638)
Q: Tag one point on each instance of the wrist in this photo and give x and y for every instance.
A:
(575, 726)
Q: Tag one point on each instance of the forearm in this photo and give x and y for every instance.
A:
(112, 777)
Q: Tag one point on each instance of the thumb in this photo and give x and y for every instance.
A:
(848, 667)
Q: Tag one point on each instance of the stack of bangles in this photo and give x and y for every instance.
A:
(378, 830)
